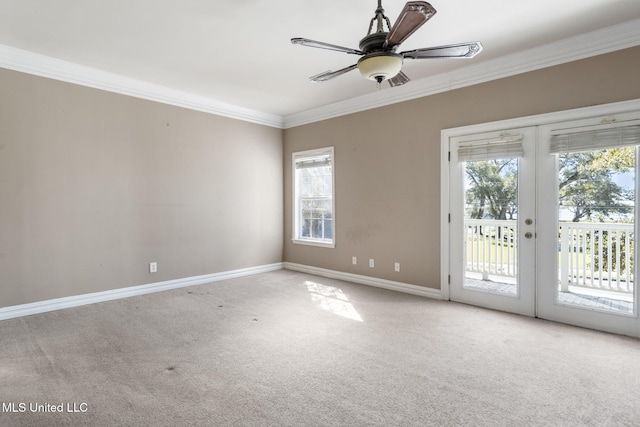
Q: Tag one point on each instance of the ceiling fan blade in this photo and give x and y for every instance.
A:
(322, 45)
(399, 79)
(328, 75)
(462, 50)
(412, 16)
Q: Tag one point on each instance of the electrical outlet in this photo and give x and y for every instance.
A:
(396, 267)
(354, 260)
(153, 267)
(371, 263)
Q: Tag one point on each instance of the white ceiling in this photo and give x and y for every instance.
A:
(238, 52)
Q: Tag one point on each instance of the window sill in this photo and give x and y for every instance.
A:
(313, 243)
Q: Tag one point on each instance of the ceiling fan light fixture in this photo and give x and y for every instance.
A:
(379, 60)
(380, 66)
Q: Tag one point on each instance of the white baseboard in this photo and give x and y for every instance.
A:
(96, 297)
(366, 280)
(92, 298)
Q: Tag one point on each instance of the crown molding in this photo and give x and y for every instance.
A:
(46, 66)
(583, 46)
(598, 42)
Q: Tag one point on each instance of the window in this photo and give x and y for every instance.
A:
(313, 217)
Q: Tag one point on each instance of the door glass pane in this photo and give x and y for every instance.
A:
(596, 239)
(490, 223)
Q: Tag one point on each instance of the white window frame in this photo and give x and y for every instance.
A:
(309, 155)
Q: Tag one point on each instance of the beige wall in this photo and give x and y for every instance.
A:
(388, 161)
(95, 185)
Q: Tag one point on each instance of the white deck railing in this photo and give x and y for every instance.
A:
(596, 255)
(591, 255)
(491, 247)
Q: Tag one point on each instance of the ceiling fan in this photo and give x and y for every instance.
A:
(379, 60)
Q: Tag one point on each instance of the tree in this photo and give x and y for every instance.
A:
(493, 188)
(586, 186)
(585, 182)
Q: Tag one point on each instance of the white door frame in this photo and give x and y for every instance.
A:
(537, 120)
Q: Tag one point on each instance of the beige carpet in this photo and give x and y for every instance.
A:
(289, 349)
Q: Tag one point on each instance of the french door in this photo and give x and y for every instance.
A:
(493, 226)
(542, 221)
(587, 223)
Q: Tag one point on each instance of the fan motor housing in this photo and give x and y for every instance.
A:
(373, 42)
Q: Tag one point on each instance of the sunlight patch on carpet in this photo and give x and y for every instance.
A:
(333, 300)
